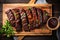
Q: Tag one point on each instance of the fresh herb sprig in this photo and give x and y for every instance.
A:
(7, 29)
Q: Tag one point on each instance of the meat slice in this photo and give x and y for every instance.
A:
(40, 16)
(30, 19)
(11, 17)
(45, 16)
(24, 20)
(17, 20)
(34, 12)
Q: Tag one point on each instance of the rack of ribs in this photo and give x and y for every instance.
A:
(27, 19)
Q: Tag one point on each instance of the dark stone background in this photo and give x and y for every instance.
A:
(56, 11)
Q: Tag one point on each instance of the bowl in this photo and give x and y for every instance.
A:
(53, 23)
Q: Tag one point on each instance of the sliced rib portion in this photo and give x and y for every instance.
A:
(24, 20)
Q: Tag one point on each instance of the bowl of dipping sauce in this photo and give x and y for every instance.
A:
(53, 23)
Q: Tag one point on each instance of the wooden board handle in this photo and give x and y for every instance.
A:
(32, 2)
(20, 37)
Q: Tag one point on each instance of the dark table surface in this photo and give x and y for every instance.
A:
(52, 37)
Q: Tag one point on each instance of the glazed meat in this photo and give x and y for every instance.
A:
(30, 19)
(35, 17)
(24, 20)
(18, 25)
(14, 18)
(40, 16)
(45, 16)
(11, 17)
(27, 19)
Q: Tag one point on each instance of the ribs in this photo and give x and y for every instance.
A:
(30, 19)
(18, 25)
(14, 18)
(45, 16)
(27, 19)
(24, 20)
(34, 13)
(40, 16)
(11, 17)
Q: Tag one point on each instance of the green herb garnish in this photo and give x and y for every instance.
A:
(7, 29)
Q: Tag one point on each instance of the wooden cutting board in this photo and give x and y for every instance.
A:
(41, 31)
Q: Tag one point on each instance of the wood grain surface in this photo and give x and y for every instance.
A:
(41, 31)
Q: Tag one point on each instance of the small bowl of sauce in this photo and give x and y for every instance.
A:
(53, 23)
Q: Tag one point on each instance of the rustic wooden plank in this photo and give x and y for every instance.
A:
(41, 31)
(32, 1)
(20, 37)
